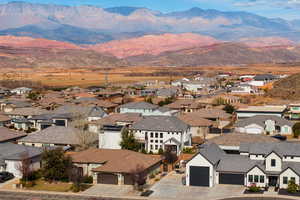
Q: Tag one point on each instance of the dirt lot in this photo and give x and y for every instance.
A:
(88, 77)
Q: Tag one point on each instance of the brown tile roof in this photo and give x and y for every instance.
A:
(182, 103)
(113, 118)
(235, 139)
(115, 160)
(4, 118)
(212, 113)
(7, 134)
(193, 119)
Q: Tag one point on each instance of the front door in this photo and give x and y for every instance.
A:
(273, 180)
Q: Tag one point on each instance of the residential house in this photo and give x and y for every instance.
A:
(167, 92)
(262, 164)
(7, 135)
(10, 105)
(162, 132)
(12, 155)
(265, 124)
(111, 166)
(185, 105)
(66, 137)
(251, 111)
(293, 112)
(4, 120)
(40, 122)
(199, 126)
(145, 109)
(21, 90)
(231, 142)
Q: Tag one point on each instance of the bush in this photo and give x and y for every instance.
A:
(151, 176)
(87, 179)
(296, 130)
(188, 150)
(254, 188)
(76, 187)
(160, 151)
(157, 179)
(292, 187)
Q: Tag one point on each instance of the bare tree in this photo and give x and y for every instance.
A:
(139, 176)
(85, 138)
(24, 166)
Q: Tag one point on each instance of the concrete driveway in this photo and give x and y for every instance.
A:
(170, 187)
(107, 190)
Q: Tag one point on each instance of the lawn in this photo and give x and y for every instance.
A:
(56, 187)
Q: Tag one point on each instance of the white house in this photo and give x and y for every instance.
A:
(262, 164)
(251, 111)
(21, 90)
(265, 124)
(12, 155)
(162, 132)
(146, 109)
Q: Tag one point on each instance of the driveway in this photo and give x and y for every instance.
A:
(107, 190)
(170, 187)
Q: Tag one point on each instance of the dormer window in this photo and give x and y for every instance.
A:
(273, 162)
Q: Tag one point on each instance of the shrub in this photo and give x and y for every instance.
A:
(160, 151)
(87, 179)
(254, 188)
(296, 130)
(188, 150)
(75, 188)
(151, 176)
(157, 179)
(292, 187)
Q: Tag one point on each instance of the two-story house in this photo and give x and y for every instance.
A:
(162, 132)
(263, 164)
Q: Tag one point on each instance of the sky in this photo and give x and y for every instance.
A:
(288, 9)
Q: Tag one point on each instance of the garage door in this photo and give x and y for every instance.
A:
(105, 178)
(253, 131)
(128, 179)
(235, 179)
(199, 176)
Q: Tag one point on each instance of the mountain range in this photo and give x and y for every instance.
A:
(92, 25)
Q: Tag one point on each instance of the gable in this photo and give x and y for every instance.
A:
(199, 160)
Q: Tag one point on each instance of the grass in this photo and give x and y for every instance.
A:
(42, 185)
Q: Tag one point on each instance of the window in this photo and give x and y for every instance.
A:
(262, 179)
(161, 135)
(256, 178)
(151, 141)
(156, 147)
(156, 141)
(292, 157)
(151, 146)
(156, 135)
(293, 179)
(250, 178)
(256, 156)
(161, 141)
(273, 162)
(151, 134)
(285, 180)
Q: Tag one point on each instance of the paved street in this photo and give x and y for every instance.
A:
(170, 187)
(110, 190)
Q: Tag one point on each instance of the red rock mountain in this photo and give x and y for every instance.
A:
(263, 42)
(154, 44)
(28, 42)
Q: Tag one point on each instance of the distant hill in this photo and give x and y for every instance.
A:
(220, 54)
(87, 24)
(287, 88)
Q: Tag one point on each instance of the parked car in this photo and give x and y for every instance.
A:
(5, 176)
(280, 137)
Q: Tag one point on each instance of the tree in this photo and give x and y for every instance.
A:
(24, 167)
(139, 176)
(292, 187)
(167, 101)
(55, 165)
(128, 141)
(33, 96)
(229, 108)
(170, 157)
(86, 139)
(296, 130)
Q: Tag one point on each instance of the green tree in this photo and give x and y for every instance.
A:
(55, 165)
(128, 141)
(229, 108)
(292, 187)
(33, 96)
(296, 130)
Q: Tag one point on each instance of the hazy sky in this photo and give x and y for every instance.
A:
(289, 9)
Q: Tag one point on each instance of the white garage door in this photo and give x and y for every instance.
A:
(253, 131)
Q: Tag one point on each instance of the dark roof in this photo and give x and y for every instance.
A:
(281, 148)
(260, 120)
(160, 123)
(10, 151)
(139, 105)
(212, 152)
(262, 77)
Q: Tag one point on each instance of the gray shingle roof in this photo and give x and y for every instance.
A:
(260, 120)
(160, 123)
(237, 163)
(54, 135)
(139, 105)
(7, 134)
(96, 112)
(212, 152)
(281, 148)
(10, 151)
